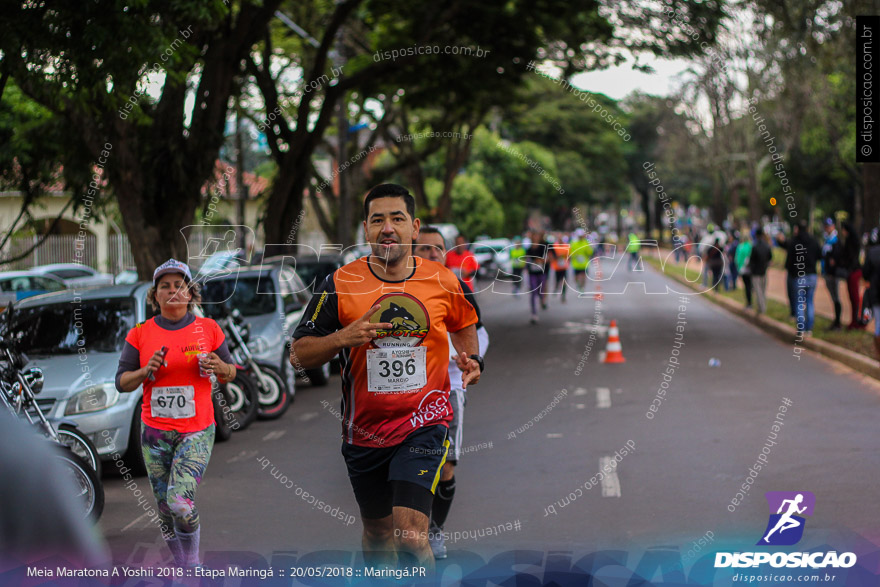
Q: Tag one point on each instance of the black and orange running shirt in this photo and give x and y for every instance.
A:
(399, 381)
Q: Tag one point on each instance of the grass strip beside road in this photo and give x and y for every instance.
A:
(859, 341)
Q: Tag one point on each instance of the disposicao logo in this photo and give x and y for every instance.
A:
(785, 527)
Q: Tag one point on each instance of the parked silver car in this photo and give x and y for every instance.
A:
(75, 274)
(76, 339)
(271, 299)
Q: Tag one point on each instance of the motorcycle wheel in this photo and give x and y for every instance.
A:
(223, 430)
(80, 445)
(244, 400)
(86, 484)
(274, 397)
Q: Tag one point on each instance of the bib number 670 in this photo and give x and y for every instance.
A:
(170, 402)
(397, 368)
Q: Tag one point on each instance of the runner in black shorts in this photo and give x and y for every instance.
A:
(387, 316)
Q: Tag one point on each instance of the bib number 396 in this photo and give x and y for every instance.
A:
(173, 402)
(390, 369)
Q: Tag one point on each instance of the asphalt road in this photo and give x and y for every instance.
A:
(538, 426)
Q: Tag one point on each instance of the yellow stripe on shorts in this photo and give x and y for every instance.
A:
(440, 468)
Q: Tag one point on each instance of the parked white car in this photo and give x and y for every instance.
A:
(493, 255)
(75, 274)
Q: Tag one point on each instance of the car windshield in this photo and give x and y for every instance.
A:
(483, 250)
(314, 272)
(241, 293)
(220, 261)
(62, 328)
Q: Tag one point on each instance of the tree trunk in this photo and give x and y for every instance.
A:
(754, 196)
(871, 194)
(153, 223)
(719, 210)
(285, 200)
(646, 210)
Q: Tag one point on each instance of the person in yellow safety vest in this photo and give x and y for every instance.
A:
(632, 247)
(580, 254)
(559, 262)
(517, 252)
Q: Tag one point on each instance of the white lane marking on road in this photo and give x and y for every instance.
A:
(243, 455)
(308, 416)
(135, 521)
(610, 482)
(603, 397)
(580, 328)
(554, 435)
(580, 391)
(580, 406)
(274, 435)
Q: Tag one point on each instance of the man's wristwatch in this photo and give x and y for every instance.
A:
(479, 361)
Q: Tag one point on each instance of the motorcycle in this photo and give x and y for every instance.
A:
(223, 416)
(18, 390)
(274, 398)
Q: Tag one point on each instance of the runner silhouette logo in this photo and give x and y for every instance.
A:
(786, 524)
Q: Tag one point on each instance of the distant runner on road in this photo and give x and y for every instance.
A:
(462, 261)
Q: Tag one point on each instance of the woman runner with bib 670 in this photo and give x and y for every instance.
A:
(173, 355)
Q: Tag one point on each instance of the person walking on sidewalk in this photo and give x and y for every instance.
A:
(832, 256)
(732, 271)
(871, 274)
(852, 249)
(714, 260)
(741, 260)
(805, 253)
(759, 261)
(791, 271)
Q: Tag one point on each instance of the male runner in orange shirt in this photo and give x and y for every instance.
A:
(387, 315)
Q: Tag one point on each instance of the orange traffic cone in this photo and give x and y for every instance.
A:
(613, 350)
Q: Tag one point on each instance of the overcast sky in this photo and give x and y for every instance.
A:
(618, 82)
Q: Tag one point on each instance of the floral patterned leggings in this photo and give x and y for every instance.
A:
(175, 463)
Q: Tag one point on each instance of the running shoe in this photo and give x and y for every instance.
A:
(438, 544)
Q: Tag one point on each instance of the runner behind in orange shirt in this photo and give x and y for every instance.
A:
(559, 262)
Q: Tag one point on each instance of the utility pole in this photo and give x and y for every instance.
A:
(241, 189)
